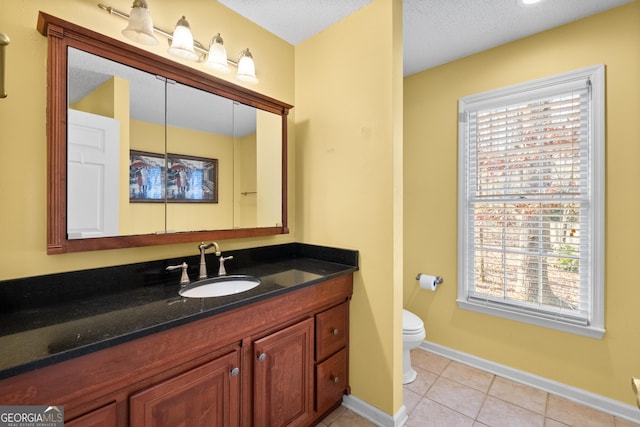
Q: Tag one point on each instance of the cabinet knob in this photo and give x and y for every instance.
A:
(262, 357)
(335, 331)
(234, 372)
(335, 379)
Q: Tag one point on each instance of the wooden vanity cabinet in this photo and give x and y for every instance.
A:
(208, 372)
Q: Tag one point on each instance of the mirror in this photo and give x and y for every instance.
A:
(145, 151)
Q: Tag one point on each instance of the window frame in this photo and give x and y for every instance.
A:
(596, 176)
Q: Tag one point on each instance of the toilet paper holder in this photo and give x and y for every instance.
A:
(439, 279)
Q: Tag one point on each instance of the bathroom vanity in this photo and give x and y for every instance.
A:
(275, 355)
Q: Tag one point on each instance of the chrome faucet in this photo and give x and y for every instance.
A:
(203, 264)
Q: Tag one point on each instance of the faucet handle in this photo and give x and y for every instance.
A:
(222, 271)
(184, 278)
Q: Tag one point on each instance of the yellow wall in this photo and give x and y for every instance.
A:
(601, 366)
(346, 140)
(23, 123)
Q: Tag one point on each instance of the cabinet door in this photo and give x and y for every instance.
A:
(103, 417)
(207, 396)
(283, 377)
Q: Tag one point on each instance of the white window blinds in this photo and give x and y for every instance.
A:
(528, 214)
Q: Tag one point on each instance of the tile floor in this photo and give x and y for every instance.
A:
(449, 394)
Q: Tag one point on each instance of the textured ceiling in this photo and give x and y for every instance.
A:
(294, 20)
(434, 31)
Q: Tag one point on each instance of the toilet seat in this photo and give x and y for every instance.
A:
(411, 324)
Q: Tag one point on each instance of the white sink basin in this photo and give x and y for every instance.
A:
(219, 286)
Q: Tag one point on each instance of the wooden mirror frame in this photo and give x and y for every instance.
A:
(62, 34)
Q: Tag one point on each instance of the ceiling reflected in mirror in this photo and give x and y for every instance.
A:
(147, 104)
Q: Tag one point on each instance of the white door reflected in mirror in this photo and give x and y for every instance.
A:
(92, 175)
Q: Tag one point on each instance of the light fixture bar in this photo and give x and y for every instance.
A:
(196, 44)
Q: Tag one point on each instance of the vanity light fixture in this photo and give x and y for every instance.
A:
(217, 59)
(182, 43)
(246, 67)
(529, 2)
(140, 28)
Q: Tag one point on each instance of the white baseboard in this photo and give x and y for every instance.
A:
(601, 403)
(374, 414)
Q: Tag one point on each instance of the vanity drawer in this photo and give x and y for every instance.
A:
(331, 380)
(331, 330)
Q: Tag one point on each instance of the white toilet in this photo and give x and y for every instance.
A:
(412, 336)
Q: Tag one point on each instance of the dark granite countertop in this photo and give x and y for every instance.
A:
(49, 319)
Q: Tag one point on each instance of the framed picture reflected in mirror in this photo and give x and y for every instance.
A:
(191, 179)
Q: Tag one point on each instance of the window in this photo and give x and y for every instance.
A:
(531, 202)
